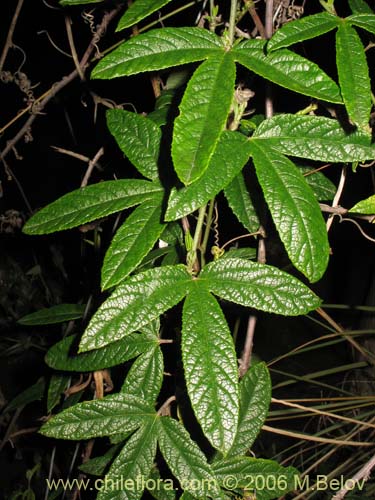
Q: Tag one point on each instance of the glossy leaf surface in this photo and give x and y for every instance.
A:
(241, 205)
(258, 285)
(99, 417)
(138, 138)
(366, 206)
(134, 303)
(294, 210)
(158, 49)
(364, 21)
(54, 314)
(89, 203)
(133, 241)
(303, 29)
(210, 366)
(138, 10)
(62, 356)
(315, 138)
(185, 459)
(203, 113)
(230, 155)
(287, 69)
(255, 398)
(323, 188)
(353, 76)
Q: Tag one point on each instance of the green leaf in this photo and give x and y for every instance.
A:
(90, 203)
(313, 137)
(230, 155)
(323, 188)
(287, 69)
(303, 29)
(163, 106)
(145, 377)
(62, 356)
(56, 387)
(265, 477)
(353, 76)
(97, 466)
(203, 114)
(161, 489)
(255, 398)
(134, 303)
(295, 211)
(33, 393)
(100, 417)
(210, 366)
(138, 138)
(260, 286)
(366, 206)
(54, 314)
(241, 205)
(364, 21)
(185, 459)
(133, 241)
(133, 464)
(158, 49)
(138, 10)
(242, 253)
(360, 7)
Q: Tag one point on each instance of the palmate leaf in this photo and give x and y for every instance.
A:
(145, 377)
(241, 205)
(353, 76)
(138, 10)
(100, 417)
(90, 203)
(230, 155)
(255, 398)
(159, 49)
(133, 463)
(133, 241)
(287, 69)
(294, 210)
(134, 303)
(265, 477)
(303, 29)
(138, 138)
(313, 137)
(186, 461)
(61, 356)
(203, 113)
(259, 286)
(54, 314)
(366, 206)
(210, 367)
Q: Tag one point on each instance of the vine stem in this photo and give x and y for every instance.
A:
(232, 21)
(198, 228)
(207, 231)
(9, 41)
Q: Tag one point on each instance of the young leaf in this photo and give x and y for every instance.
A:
(90, 203)
(158, 49)
(134, 463)
(145, 377)
(54, 314)
(260, 286)
(134, 303)
(185, 459)
(203, 113)
(294, 210)
(138, 138)
(287, 69)
(97, 466)
(61, 356)
(138, 10)
(366, 206)
(230, 155)
(100, 417)
(265, 477)
(303, 29)
(133, 241)
(241, 205)
(255, 398)
(210, 366)
(57, 386)
(360, 7)
(353, 76)
(323, 188)
(313, 137)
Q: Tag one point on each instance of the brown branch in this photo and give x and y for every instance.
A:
(91, 166)
(254, 15)
(363, 473)
(68, 26)
(9, 40)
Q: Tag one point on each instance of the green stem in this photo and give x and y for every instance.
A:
(207, 230)
(198, 229)
(232, 21)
